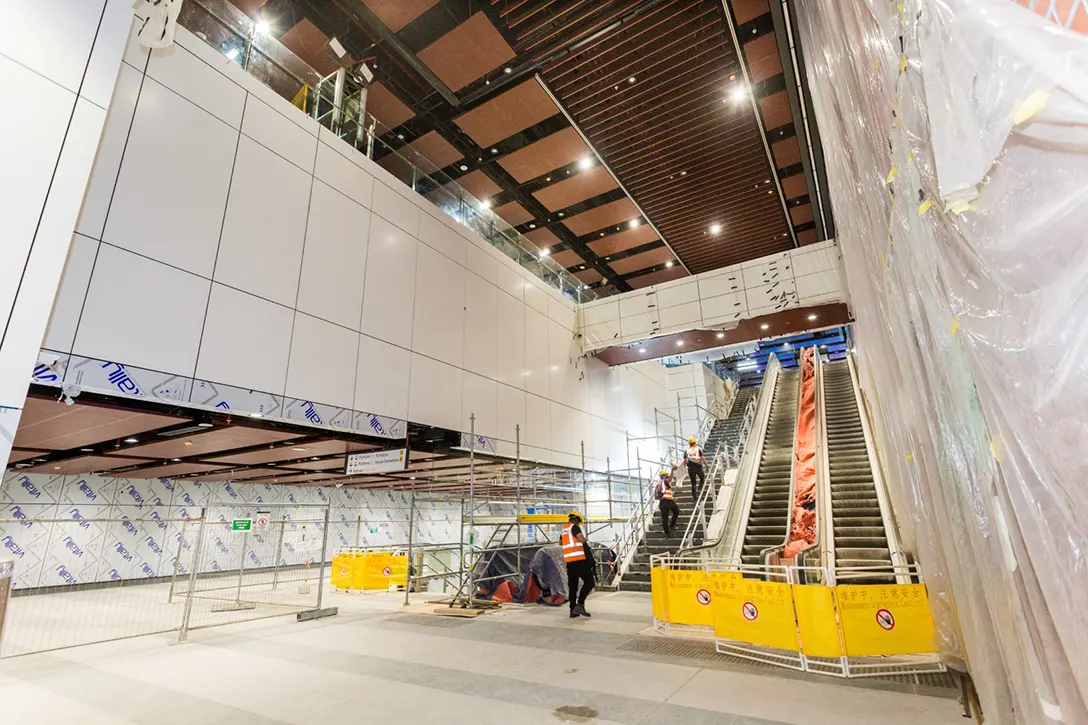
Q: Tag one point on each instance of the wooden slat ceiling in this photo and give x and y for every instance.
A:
(649, 83)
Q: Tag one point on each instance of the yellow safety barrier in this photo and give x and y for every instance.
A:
(369, 571)
(760, 614)
(754, 611)
(885, 620)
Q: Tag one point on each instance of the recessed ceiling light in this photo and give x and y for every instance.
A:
(313, 458)
(585, 162)
(56, 468)
(175, 460)
(632, 79)
(494, 151)
(633, 224)
(255, 415)
(188, 444)
(812, 317)
(715, 228)
(642, 349)
(548, 178)
(400, 136)
(204, 425)
(507, 70)
(764, 326)
(721, 335)
(532, 226)
(464, 168)
(487, 82)
(87, 450)
(298, 449)
(683, 173)
(679, 343)
(771, 191)
(669, 263)
(132, 440)
(560, 213)
(602, 234)
(412, 478)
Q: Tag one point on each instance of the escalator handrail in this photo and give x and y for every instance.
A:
(766, 553)
(740, 501)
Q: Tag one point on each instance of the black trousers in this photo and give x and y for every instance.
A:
(668, 507)
(696, 477)
(579, 571)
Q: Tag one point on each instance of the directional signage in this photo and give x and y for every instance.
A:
(377, 461)
(241, 525)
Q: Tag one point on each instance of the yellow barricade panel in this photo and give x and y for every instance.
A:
(399, 570)
(816, 620)
(659, 591)
(343, 569)
(753, 611)
(689, 598)
(885, 620)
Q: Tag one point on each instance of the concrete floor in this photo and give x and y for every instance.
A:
(376, 663)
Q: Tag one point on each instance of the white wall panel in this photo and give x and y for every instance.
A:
(381, 382)
(511, 367)
(334, 258)
(681, 316)
(537, 356)
(562, 313)
(481, 327)
(511, 280)
(389, 292)
(272, 130)
(265, 227)
(439, 319)
(538, 421)
(73, 290)
(238, 324)
(96, 201)
(69, 26)
(344, 176)
(510, 412)
(536, 298)
(479, 399)
(559, 369)
(322, 365)
(441, 238)
(193, 79)
(434, 396)
(109, 45)
(143, 313)
(170, 197)
(395, 208)
(481, 262)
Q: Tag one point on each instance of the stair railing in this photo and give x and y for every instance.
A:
(714, 478)
(641, 518)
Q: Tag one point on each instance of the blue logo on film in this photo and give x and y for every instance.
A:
(45, 374)
(115, 575)
(14, 548)
(311, 413)
(215, 565)
(120, 548)
(377, 425)
(136, 497)
(188, 500)
(17, 513)
(222, 404)
(161, 524)
(77, 516)
(120, 379)
(153, 545)
(254, 559)
(72, 546)
(221, 546)
(29, 486)
(87, 490)
(230, 491)
(66, 575)
(129, 526)
(147, 570)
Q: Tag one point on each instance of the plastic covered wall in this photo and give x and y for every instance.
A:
(957, 138)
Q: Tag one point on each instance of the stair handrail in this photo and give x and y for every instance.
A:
(765, 554)
(639, 522)
(825, 531)
(891, 530)
(740, 499)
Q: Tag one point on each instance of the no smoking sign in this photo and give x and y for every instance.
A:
(750, 612)
(703, 597)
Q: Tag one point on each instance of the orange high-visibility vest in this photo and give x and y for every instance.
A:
(572, 548)
(666, 492)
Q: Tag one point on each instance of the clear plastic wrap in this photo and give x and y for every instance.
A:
(956, 138)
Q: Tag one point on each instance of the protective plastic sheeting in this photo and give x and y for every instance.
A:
(956, 138)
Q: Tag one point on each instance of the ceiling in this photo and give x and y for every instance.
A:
(140, 439)
(656, 89)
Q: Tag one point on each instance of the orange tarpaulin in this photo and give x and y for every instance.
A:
(802, 518)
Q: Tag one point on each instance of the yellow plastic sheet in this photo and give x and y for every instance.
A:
(885, 620)
(754, 611)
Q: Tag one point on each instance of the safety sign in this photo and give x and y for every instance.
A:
(750, 611)
(261, 520)
(885, 619)
(387, 571)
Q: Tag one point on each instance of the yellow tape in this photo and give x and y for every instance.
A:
(955, 326)
(885, 620)
(993, 450)
(891, 175)
(910, 456)
(1030, 106)
(959, 207)
(924, 206)
(902, 63)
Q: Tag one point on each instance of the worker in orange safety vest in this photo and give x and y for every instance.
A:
(693, 456)
(579, 563)
(666, 502)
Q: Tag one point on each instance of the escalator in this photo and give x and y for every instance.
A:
(768, 516)
(858, 531)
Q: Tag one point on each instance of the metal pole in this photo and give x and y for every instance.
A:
(608, 472)
(461, 524)
(338, 100)
(324, 546)
(279, 552)
(241, 568)
(471, 504)
(177, 563)
(183, 633)
(358, 531)
(411, 526)
(585, 491)
(360, 119)
(517, 483)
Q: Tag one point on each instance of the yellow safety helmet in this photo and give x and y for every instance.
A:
(692, 440)
(575, 514)
(664, 473)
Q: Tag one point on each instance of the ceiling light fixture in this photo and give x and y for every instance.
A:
(683, 173)
(633, 224)
(175, 460)
(679, 343)
(532, 226)
(642, 349)
(764, 326)
(811, 317)
(669, 263)
(739, 93)
(464, 168)
(204, 424)
(545, 252)
(721, 335)
(298, 449)
(585, 162)
(132, 440)
(507, 70)
(87, 450)
(188, 444)
(494, 151)
(632, 79)
(400, 136)
(715, 228)
(560, 213)
(256, 415)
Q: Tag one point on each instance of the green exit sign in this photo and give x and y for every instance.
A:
(241, 525)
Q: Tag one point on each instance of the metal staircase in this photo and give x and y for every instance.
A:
(859, 535)
(726, 432)
(637, 576)
(768, 517)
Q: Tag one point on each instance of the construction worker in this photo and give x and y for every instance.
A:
(667, 505)
(693, 456)
(579, 563)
